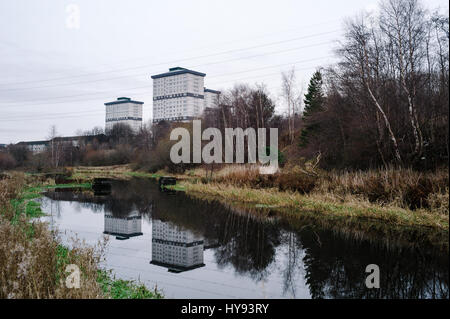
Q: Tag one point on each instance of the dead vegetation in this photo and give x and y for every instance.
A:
(402, 187)
(33, 262)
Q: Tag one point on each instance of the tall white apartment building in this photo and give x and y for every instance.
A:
(177, 249)
(180, 95)
(124, 110)
(123, 226)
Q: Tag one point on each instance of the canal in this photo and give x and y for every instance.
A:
(191, 248)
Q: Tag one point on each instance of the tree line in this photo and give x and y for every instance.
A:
(384, 103)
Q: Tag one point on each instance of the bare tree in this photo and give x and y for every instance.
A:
(361, 52)
(403, 23)
(55, 146)
(291, 97)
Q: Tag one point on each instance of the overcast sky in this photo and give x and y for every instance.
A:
(56, 71)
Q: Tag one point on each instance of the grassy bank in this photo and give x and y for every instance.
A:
(32, 259)
(363, 219)
(296, 203)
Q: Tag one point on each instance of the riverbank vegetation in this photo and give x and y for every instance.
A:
(33, 260)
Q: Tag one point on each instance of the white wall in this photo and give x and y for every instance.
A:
(123, 110)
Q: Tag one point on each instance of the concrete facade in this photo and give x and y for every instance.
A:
(35, 146)
(123, 226)
(180, 95)
(125, 111)
(75, 141)
(175, 248)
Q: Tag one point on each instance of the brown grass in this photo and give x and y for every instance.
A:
(403, 188)
(32, 262)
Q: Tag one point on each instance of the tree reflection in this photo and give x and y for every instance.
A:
(336, 269)
(332, 265)
(248, 244)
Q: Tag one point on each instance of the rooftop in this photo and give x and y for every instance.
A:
(211, 91)
(121, 100)
(33, 142)
(63, 138)
(177, 70)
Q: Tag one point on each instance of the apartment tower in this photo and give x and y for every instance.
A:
(125, 111)
(180, 95)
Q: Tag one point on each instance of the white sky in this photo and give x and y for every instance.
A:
(52, 74)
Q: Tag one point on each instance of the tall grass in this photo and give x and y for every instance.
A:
(33, 261)
(32, 264)
(403, 188)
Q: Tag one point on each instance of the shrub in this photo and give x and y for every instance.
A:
(7, 161)
(121, 155)
(297, 179)
(439, 202)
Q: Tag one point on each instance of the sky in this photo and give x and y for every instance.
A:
(62, 60)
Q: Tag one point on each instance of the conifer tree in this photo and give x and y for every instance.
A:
(313, 104)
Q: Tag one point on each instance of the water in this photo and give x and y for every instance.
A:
(197, 249)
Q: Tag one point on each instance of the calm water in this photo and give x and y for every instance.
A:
(194, 249)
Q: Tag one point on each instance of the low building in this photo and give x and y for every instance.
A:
(78, 141)
(75, 141)
(35, 146)
(125, 111)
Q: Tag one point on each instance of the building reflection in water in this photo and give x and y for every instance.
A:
(174, 248)
(123, 227)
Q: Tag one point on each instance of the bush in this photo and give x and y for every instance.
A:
(297, 179)
(121, 155)
(7, 161)
(159, 158)
(416, 195)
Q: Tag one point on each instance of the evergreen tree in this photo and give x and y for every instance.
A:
(313, 104)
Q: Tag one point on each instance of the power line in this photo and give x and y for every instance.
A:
(268, 67)
(32, 117)
(35, 118)
(80, 114)
(175, 61)
(244, 38)
(51, 118)
(146, 73)
(148, 86)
